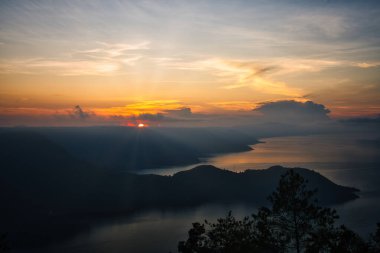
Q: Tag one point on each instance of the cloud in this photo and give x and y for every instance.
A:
(235, 73)
(104, 60)
(151, 112)
(75, 116)
(261, 75)
(141, 107)
(366, 64)
(79, 113)
(233, 105)
(288, 111)
(363, 120)
(183, 112)
(179, 116)
(60, 67)
(295, 65)
(350, 99)
(253, 75)
(171, 115)
(318, 24)
(110, 51)
(291, 111)
(150, 117)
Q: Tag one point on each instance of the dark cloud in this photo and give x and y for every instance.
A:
(290, 110)
(79, 113)
(150, 118)
(157, 117)
(168, 116)
(362, 120)
(181, 112)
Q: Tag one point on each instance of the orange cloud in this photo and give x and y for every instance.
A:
(17, 111)
(141, 107)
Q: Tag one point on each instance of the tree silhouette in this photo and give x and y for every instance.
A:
(374, 243)
(227, 235)
(296, 216)
(267, 238)
(231, 235)
(196, 241)
(294, 223)
(4, 243)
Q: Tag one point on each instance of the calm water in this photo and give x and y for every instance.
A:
(351, 161)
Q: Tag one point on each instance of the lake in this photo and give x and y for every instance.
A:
(351, 160)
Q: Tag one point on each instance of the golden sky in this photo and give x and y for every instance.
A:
(120, 59)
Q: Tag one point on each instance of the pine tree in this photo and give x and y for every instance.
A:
(296, 216)
(294, 223)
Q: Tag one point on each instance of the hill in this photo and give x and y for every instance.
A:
(129, 148)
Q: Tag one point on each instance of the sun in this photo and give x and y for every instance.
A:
(141, 125)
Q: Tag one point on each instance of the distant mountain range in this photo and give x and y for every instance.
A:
(128, 148)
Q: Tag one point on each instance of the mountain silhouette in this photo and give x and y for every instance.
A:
(44, 188)
(126, 148)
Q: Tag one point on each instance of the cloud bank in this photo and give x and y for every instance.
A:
(287, 111)
(291, 110)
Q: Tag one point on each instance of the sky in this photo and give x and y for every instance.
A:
(125, 62)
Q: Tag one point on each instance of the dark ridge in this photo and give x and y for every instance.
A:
(126, 148)
(202, 170)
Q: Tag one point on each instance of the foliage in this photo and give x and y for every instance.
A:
(197, 241)
(4, 243)
(297, 217)
(374, 244)
(347, 241)
(294, 223)
(226, 235)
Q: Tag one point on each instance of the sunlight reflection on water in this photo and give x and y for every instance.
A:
(338, 157)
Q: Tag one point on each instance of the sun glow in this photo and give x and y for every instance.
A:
(141, 125)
